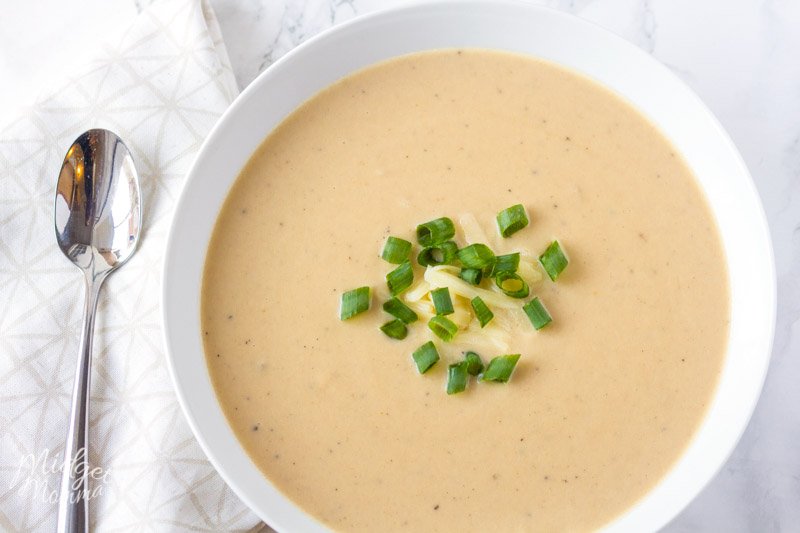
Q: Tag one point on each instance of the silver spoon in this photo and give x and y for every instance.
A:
(98, 216)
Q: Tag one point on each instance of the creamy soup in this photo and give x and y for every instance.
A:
(602, 401)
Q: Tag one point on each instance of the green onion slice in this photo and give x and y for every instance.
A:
(396, 250)
(482, 311)
(395, 329)
(511, 220)
(473, 276)
(441, 301)
(400, 278)
(425, 356)
(435, 231)
(554, 260)
(500, 368)
(398, 309)
(443, 327)
(354, 302)
(537, 313)
(476, 256)
(438, 254)
(512, 284)
(505, 263)
(457, 377)
(474, 363)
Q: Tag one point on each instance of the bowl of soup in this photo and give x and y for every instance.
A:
(463, 266)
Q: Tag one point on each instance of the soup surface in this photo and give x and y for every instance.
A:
(603, 400)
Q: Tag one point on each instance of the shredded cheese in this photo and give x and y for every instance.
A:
(447, 276)
(424, 308)
(489, 338)
(472, 229)
(417, 292)
(462, 313)
(529, 270)
(496, 336)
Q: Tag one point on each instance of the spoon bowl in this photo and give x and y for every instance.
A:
(98, 216)
(97, 208)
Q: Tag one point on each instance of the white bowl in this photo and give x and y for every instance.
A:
(516, 27)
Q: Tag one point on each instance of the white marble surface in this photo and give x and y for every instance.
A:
(741, 56)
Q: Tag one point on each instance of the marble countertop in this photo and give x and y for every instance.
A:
(741, 56)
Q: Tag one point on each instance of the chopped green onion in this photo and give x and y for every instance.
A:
(476, 256)
(354, 302)
(435, 231)
(473, 276)
(474, 363)
(425, 356)
(511, 220)
(398, 309)
(438, 254)
(441, 301)
(505, 263)
(395, 329)
(400, 278)
(537, 313)
(512, 284)
(457, 377)
(396, 250)
(482, 311)
(443, 327)
(554, 260)
(500, 368)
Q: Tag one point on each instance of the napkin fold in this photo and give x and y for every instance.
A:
(161, 86)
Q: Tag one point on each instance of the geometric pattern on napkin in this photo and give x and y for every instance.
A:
(161, 84)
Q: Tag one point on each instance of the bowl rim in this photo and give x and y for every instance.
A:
(290, 518)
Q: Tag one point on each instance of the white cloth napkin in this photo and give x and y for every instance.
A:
(161, 86)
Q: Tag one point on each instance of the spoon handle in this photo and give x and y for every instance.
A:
(73, 507)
